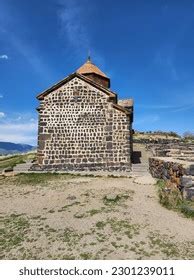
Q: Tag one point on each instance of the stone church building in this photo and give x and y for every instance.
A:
(83, 126)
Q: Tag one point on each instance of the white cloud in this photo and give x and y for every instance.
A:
(24, 117)
(4, 56)
(183, 108)
(18, 139)
(2, 115)
(23, 127)
(71, 18)
(19, 133)
(74, 22)
(166, 62)
(19, 128)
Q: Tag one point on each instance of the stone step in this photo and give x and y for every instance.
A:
(139, 166)
(140, 173)
(22, 167)
(139, 169)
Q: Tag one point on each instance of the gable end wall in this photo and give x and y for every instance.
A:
(80, 130)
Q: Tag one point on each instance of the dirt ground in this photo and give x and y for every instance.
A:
(75, 217)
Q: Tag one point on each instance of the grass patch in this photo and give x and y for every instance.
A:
(125, 227)
(67, 257)
(39, 178)
(10, 162)
(121, 227)
(163, 244)
(13, 231)
(93, 212)
(111, 201)
(117, 176)
(42, 178)
(51, 211)
(115, 245)
(100, 225)
(64, 208)
(71, 237)
(171, 198)
(117, 199)
(85, 256)
(187, 208)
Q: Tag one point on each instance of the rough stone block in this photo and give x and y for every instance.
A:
(191, 169)
(188, 193)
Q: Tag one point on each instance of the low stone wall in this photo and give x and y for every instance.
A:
(173, 150)
(156, 141)
(167, 170)
(176, 171)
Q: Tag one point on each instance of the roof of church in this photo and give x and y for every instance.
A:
(89, 67)
(89, 81)
(71, 76)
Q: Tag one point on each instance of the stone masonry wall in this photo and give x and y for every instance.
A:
(99, 80)
(80, 130)
(177, 172)
(167, 169)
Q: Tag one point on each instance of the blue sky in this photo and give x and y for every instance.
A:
(146, 47)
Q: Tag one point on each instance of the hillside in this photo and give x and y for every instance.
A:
(156, 135)
(12, 148)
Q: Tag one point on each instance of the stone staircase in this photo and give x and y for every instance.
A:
(22, 168)
(140, 169)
